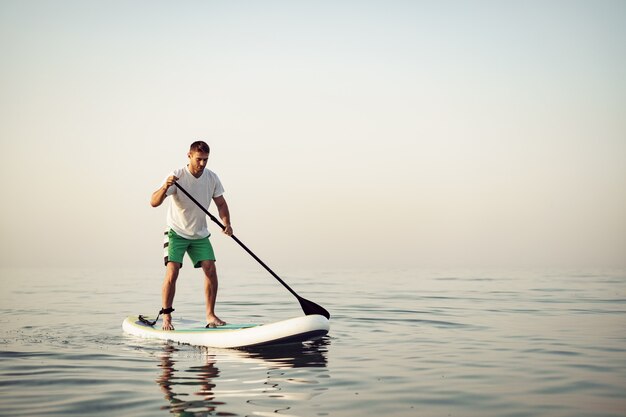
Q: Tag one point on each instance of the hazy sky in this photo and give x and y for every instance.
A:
(346, 133)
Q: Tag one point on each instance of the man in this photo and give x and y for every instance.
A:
(187, 228)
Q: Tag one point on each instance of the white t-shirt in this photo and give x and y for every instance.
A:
(183, 215)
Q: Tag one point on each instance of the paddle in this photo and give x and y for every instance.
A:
(308, 307)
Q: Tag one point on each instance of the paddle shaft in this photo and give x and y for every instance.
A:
(310, 305)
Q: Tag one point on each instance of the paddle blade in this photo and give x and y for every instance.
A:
(310, 308)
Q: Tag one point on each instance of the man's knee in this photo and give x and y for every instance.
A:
(209, 268)
(171, 272)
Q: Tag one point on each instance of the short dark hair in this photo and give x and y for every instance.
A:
(199, 146)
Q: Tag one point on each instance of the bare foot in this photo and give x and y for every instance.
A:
(167, 322)
(214, 321)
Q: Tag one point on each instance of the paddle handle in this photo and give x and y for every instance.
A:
(256, 258)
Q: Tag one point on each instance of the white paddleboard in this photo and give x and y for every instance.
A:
(294, 330)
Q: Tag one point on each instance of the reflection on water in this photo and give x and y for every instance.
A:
(200, 378)
(298, 355)
(205, 388)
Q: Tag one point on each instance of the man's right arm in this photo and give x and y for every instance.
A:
(159, 195)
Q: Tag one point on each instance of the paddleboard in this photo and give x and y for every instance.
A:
(293, 330)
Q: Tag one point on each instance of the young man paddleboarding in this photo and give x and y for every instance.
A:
(187, 230)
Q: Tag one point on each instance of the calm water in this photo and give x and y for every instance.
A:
(402, 343)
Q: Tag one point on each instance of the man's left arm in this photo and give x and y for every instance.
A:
(222, 209)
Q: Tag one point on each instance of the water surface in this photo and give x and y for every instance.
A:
(402, 343)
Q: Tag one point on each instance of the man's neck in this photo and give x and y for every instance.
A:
(195, 174)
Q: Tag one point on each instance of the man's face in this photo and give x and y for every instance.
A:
(197, 161)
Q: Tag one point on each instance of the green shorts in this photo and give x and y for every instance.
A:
(198, 249)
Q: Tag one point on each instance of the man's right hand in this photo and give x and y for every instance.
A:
(170, 181)
(159, 195)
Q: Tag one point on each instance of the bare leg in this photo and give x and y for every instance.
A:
(168, 291)
(210, 292)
